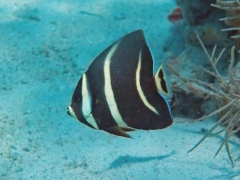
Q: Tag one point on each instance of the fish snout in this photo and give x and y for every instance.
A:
(71, 112)
(68, 111)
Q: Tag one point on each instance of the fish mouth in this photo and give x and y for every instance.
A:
(70, 112)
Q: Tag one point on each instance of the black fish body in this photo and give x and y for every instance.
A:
(119, 92)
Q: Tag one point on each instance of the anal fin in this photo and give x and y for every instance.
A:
(118, 131)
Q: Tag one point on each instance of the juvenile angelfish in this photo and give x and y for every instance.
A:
(119, 93)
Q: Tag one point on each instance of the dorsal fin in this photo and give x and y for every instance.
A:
(162, 82)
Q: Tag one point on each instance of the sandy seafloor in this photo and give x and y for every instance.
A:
(45, 46)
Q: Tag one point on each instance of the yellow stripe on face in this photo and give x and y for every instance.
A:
(139, 88)
(87, 103)
(108, 89)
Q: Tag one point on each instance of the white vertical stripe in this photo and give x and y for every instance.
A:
(139, 88)
(90, 119)
(87, 103)
(108, 89)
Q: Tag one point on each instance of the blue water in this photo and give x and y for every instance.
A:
(45, 46)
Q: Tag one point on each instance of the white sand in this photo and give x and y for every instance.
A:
(44, 47)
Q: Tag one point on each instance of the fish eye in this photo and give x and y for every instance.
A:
(77, 99)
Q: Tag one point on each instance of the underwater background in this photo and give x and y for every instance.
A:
(45, 47)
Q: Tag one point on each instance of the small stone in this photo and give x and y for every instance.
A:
(203, 130)
(26, 149)
(14, 156)
(13, 147)
(26, 112)
(119, 16)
